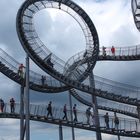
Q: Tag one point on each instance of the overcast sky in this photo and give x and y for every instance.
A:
(114, 23)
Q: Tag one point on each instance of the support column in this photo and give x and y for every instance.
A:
(119, 137)
(60, 132)
(22, 113)
(27, 115)
(70, 102)
(95, 107)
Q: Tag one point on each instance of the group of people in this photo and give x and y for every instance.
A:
(88, 115)
(74, 110)
(106, 118)
(116, 120)
(112, 50)
(12, 105)
(65, 117)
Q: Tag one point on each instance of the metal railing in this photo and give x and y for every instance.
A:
(41, 111)
(121, 51)
(13, 65)
(100, 83)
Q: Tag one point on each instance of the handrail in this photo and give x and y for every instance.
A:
(40, 110)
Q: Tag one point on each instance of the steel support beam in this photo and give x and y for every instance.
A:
(71, 115)
(95, 109)
(60, 132)
(119, 137)
(22, 113)
(27, 101)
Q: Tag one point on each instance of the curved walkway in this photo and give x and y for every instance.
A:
(104, 88)
(127, 127)
(80, 66)
(113, 106)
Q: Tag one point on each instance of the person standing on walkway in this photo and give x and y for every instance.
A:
(43, 79)
(49, 109)
(116, 121)
(88, 114)
(75, 113)
(65, 112)
(12, 105)
(106, 118)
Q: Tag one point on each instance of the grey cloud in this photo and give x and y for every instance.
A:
(8, 35)
(60, 36)
(124, 35)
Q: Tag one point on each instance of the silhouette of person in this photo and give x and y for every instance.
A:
(75, 113)
(116, 121)
(1, 104)
(49, 109)
(106, 117)
(12, 105)
(59, 5)
(20, 70)
(88, 114)
(65, 112)
(43, 78)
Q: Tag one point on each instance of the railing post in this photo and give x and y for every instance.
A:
(128, 50)
(112, 123)
(136, 49)
(119, 137)
(136, 126)
(124, 124)
(120, 52)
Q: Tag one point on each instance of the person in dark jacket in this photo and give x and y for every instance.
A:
(49, 109)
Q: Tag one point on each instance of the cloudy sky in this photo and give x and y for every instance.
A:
(114, 23)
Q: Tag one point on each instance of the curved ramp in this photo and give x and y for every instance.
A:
(9, 67)
(127, 127)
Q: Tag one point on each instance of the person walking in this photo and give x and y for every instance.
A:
(116, 121)
(49, 109)
(65, 112)
(12, 105)
(88, 114)
(106, 118)
(75, 113)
